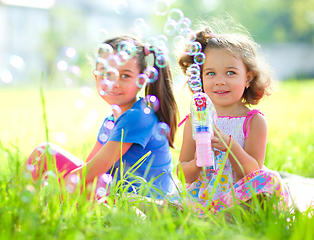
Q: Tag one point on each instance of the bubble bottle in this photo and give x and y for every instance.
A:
(204, 116)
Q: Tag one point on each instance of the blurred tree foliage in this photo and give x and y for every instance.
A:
(269, 21)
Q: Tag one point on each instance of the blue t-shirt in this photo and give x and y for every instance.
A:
(140, 129)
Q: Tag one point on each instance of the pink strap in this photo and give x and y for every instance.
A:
(184, 119)
(249, 117)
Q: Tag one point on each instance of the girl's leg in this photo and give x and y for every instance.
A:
(64, 161)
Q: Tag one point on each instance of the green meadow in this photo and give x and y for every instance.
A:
(73, 116)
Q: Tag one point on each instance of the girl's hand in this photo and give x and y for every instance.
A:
(216, 141)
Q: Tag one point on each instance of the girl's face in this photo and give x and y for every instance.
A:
(123, 81)
(224, 77)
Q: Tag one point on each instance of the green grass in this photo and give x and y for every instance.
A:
(37, 211)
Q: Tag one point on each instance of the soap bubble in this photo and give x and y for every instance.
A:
(112, 74)
(195, 85)
(193, 48)
(150, 104)
(105, 50)
(110, 124)
(152, 41)
(175, 14)
(183, 26)
(106, 178)
(161, 60)
(104, 87)
(103, 137)
(120, 6)
(62, 65)
(116, 110)
(161, 7)
(142, 79)
(170, 27)
(199, 58)
(16, 61)
(61, 137)
(152, 74)
(129, 48)
(70, 52)
(6, 76)
(74, 178)
(161, 131)
(101, 191)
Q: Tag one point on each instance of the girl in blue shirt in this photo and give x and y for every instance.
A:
(119, 76)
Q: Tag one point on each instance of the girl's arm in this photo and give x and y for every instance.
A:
(187, 155)
(252, 156)
(102, 160)
(95, 150)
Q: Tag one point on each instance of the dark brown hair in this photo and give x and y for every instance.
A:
(162, 88)
(242, 46)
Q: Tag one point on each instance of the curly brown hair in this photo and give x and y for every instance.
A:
(240, 45)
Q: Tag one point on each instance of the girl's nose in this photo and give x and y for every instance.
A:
(220, 81)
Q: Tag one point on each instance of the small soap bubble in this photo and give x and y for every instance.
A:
(120, 7)
(151, 41)
(74, 178)
(68, 81)
(162, 40)
(139, 22)
(124, 57)
(199, 58)
(161, 7)
(142, 79)
(6, 76)
(116, 109)
(129, 48)
(101, 191)
(175, 14)
(79, 103)
(16, 61)
(69, 188)
(196, 66)
(61, 137)
(161, 131)
(152, 74)
(104, 87)
(62, 65)
(30, 167)
(183, 26)
(195, 85)
(104, 62)
(102, 34)
(192, 72)
(112, 74)
(114, 60)
(109, 124)
(193, 48)
(106, 178)
(170, 27)
(76, 70)
(190, 36)
(150, 104)
(103, 137)
(70, 52)
(161, 61)
(105, 50)
(87, 91)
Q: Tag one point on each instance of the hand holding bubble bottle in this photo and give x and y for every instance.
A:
(203, 118)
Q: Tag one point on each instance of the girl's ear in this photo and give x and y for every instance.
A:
(95, 75)
(249, 77)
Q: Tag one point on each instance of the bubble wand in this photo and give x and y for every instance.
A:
(203, 115)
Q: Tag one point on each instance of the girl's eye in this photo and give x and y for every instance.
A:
(124, 76)
(230, 73)
(211, 73)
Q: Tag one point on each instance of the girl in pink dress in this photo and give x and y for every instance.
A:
(234, 76)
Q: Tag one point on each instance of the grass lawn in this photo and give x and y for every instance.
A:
(74, 117)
